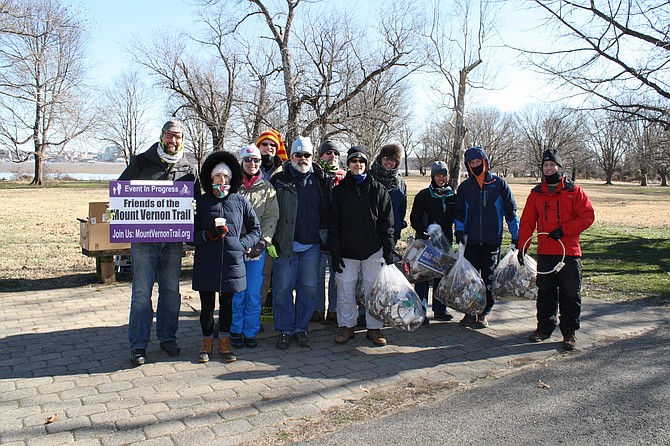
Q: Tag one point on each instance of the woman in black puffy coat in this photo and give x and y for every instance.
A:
(218, 266)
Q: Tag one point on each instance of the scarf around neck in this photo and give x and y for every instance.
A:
(388, 178)
(169, 159)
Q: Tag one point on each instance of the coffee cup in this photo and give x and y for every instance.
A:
(219, 222)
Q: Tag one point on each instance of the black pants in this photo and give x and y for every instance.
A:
(485, 259)
(207, 301)
(559, 290)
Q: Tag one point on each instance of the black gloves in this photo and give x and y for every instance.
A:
(336, 263)
(388, 258)
(556, 233)
(256, 250)
(515, 243)
(521, 257)
(216, 233)
(459, 237)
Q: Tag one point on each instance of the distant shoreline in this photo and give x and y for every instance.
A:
(56, 169)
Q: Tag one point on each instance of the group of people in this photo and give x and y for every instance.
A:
(277, 218)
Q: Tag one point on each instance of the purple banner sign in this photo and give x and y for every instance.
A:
(151, 211)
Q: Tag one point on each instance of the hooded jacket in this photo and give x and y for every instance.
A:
(219, 265)
(567, 207)
(361, 219)
(482, 203)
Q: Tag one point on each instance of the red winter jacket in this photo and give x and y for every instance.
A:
(567, 207)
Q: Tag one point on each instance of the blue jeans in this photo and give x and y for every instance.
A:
(326, 260)
(422, 288)
(247, 303)
(300, 273)
(154, 262)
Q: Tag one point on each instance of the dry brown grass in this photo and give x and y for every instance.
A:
(39, 240)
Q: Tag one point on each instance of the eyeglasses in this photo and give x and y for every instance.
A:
(248, 159)
(357, 160)
(266, 144)
(331, 152)
(302, 155)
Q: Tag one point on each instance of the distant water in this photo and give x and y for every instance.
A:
(75, 176)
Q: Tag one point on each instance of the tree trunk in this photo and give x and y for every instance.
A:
(643, 180)
(38, 179)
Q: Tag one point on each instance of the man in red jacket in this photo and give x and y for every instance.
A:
(562, 210)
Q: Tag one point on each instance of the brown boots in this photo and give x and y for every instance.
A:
(344, 334)
(206, 350)
(224, 350)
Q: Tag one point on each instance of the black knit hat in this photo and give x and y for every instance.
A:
(552, 155)
(328, 145)
(357, 152)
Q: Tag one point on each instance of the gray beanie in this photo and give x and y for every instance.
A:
(438, 167)
(173, 125)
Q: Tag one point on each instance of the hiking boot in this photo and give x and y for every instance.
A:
(137, 356)
(569, 341)
(482, 322)
(538, 336)
(283, 341)
(206, 350)
(344, 334)
(468, 320)
(236, 340)
(301, 338)
(446, 317)
(224, 350)
(170, 347)
(331, 316)
(250, 342)
(376, 337)
(318, 316)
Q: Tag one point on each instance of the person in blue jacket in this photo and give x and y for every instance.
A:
(483, 201)
(218, 265)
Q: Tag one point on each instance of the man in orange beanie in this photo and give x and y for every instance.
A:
(273, 152)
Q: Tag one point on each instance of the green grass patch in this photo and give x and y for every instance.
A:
(628, 261)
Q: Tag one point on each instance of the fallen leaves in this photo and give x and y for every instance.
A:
(52, 419)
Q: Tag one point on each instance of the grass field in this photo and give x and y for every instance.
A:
(626, 252)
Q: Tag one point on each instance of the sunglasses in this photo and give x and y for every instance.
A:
(266, 144)
(331, 152)
(248, 159)
(302, 155)
(357, 160)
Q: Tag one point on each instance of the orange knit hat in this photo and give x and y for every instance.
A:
(275, 137)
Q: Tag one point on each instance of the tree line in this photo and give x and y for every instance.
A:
(310, 68)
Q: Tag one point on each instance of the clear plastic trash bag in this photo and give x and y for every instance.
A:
(394, 301)
(462, 288)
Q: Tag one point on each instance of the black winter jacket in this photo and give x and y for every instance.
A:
(219, 265)
(361, 219)
(148, 166)
(427, 210)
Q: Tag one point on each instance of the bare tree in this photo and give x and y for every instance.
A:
(544, 127)
(204, 83)
(197, 141)
(123, 115)
(608, 141)
(304, 83)
(42, 60)
(454, 50)
(494, 131)
(436, 144)
(615, 51)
